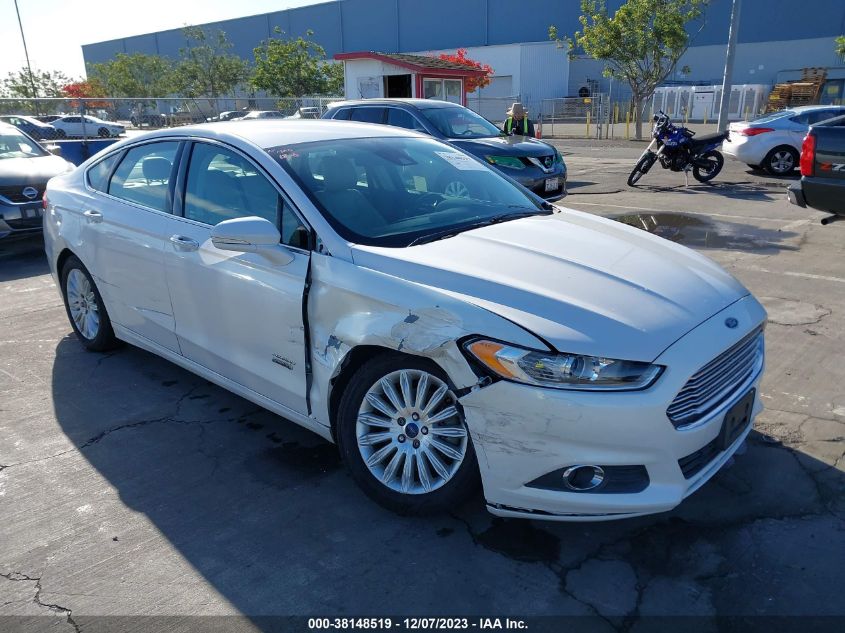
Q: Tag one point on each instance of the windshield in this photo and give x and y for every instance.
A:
(460, 122)
(17, 145)
(398, 191)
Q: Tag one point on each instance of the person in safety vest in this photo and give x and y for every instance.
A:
(518, 122)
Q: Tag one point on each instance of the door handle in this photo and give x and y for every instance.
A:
(93, 216)
(183, 243)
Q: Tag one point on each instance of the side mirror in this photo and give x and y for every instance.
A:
(251, 235)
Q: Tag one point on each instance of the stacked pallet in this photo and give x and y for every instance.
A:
(805, 91)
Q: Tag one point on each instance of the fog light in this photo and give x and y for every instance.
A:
(583, 478)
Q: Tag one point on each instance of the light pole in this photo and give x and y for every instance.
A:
(729, 66)
(26, 53)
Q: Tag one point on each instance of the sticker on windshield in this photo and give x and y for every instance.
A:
(461, 161)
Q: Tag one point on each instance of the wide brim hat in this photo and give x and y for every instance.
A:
(517, 110)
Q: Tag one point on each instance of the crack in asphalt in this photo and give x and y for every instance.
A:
(56, 608)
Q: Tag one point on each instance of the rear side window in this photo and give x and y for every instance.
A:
(342, 114)
(98, 175)
(144, 174)
(368, 115)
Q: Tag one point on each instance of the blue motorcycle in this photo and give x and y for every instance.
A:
(678, 150)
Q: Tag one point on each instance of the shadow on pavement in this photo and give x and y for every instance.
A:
(266, 514)
(22, 257)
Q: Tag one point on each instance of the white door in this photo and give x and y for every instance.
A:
(238, 314)
(125, 225)
(701, 104)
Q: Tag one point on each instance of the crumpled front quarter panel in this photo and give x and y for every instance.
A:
(349, 306)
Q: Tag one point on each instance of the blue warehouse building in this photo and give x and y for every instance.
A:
(776, 39)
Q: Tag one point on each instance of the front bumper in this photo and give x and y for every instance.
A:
(522, 433)
(534, 179)
(20, 219)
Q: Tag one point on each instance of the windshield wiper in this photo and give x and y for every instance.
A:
(496, 219)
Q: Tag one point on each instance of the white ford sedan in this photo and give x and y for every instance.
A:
(580, 368)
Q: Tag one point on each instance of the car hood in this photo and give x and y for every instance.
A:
(24, 171)
(585, 284)
(504, 146)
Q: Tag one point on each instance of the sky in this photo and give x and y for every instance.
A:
(56, 29)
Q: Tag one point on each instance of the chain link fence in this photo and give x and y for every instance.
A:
(56, 119)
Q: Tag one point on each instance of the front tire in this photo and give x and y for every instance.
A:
(781, 161)
(85, 309)
(103, 133)
(402, 434)
(641, 168)
(715, 162)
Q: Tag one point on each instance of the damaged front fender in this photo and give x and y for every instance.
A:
(350, 306)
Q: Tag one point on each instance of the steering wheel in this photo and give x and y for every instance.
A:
(429, 199)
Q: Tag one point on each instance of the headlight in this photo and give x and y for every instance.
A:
(563, 371)
(506, 161)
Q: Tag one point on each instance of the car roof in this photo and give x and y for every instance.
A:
(810, 108)
(275, 132)
(422, 104)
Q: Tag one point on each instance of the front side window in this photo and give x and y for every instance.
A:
(222, 185)
(368, 114)
(144, 175)
(403, 118)
(460, 122)
(397, 191)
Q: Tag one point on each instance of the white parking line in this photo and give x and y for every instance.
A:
(792, 273)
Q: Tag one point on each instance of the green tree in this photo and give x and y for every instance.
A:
(840, 45)
(641, 43)
(48, 83)
(207, 67)
(136, 76)
(287, 67)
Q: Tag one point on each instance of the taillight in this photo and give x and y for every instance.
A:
(808, 155)
(754, 131)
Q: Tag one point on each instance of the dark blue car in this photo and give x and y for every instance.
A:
(535, 165)
(29, 125)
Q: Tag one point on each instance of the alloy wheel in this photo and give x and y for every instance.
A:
(410, 433)
(456, 189)
(782, 161)
(82, 303)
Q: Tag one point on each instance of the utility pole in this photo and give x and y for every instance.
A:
(26, 53)
(729, 66)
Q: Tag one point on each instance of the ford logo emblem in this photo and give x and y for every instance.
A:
(731, 322)
(30, 192)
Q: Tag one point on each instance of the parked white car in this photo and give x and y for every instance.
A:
(75, 125)
(773, 141)
(583, 369)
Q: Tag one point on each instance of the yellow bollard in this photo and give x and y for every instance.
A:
(628, 124)
(746, 112)
(588, 124)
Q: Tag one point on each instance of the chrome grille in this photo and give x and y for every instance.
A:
(717, 381)
(14, 193)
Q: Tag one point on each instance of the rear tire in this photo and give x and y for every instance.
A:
(781, 161)
(402, 434)
(641, 168)
(103, 133)
(715, 161)
(85, 309)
